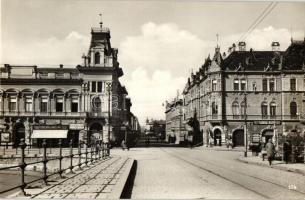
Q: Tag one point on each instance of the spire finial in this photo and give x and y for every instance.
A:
(217, 38)
(101, 22)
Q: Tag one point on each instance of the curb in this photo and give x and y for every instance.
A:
(119, 187)
(289, 169)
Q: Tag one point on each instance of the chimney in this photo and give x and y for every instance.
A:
(275, 46)
(61, 66)
(224, 55)
(233, 47)
(242, 46)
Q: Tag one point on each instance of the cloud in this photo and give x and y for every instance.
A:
(164, 47)
(53, 50)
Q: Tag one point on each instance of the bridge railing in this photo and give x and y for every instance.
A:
(82, 157)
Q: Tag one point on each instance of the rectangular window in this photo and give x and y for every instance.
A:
(271, 85)
(254, 86)
(243, 85)
(44, 104)
(272, 110)
(59, 105)
(293, 84)
(214, 85)
(13, 104)
(236, 85)
(28, 104)
(74, 105)
(93, 86)
(99, 86)
(265, 85)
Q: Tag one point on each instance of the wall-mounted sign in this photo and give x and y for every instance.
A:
(5, 137)
(76, 126)
(50, 127)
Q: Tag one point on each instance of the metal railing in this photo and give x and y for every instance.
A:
(42, 114)
(97, 151)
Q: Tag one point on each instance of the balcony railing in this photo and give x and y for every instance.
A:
(253, 117)
(42, 114)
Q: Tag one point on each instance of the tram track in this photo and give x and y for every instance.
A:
(185, 158)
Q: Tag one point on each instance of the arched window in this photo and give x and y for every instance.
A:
(272, 109)
(235, 109)
(97, 58)
(293, 109)
(264, 107)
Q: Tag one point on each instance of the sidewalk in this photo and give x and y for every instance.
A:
(104, 179)
(221, 148)
(291, 167)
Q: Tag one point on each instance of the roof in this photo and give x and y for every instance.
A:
(294, 56)
(252, 60)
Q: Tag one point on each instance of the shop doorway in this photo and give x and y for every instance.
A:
(266, 135)
(238, 138)
(95, 130)
(217, 137)
(18, 134)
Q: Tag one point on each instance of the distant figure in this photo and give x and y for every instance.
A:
(97, 147)
(270, 148)
(287, 148)
(123, 145)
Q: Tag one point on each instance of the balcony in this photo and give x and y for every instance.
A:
(98, 114)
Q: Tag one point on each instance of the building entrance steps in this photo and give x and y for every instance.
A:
(103, 180)
(291, 167)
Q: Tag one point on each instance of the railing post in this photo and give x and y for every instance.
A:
(45, 176)
(71, 155)
(86, 153)
(108, 149)
(79, 155)
(22, 165)
(60, 157)
(91, 153)
(103, 149)
(99, 150)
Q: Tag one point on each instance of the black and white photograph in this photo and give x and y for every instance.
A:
(152, 99)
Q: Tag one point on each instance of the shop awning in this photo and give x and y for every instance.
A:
(48, 134)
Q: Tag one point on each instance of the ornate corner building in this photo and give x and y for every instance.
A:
(83, 103)
(253, 95)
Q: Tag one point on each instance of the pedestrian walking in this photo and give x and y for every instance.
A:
(270, 148)
(287, 148)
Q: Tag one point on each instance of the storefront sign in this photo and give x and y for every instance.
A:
(5, 137)
(76, 126)
(50, 127)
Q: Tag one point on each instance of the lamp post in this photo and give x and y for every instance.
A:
(245, 125)
(109, 88)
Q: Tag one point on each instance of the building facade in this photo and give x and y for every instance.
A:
(85, 103)
(248, 96)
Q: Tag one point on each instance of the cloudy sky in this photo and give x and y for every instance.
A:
(159, 42)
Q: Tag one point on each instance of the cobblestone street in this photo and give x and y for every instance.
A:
(204, 173)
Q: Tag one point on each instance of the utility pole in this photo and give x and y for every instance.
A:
(245, 125)
(109, 87)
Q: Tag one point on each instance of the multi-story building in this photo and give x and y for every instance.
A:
(175, 129)
(258, 94)
(82, 103)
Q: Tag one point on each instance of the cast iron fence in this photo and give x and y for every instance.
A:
(96, 151)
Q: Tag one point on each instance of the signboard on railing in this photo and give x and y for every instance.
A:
(50, 127)
(5, 137)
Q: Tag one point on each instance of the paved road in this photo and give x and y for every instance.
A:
(203, 173)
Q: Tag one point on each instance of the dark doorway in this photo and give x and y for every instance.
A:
(266, 135)
(217, 137)
(74, 135)
(238, 138)
(94, 128)
(18, 134)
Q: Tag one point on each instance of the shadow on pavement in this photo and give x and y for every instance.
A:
(127, 191)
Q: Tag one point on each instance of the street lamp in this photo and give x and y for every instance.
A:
(245, 125)
(109, 88)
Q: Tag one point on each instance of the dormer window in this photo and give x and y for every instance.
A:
(97, 58)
